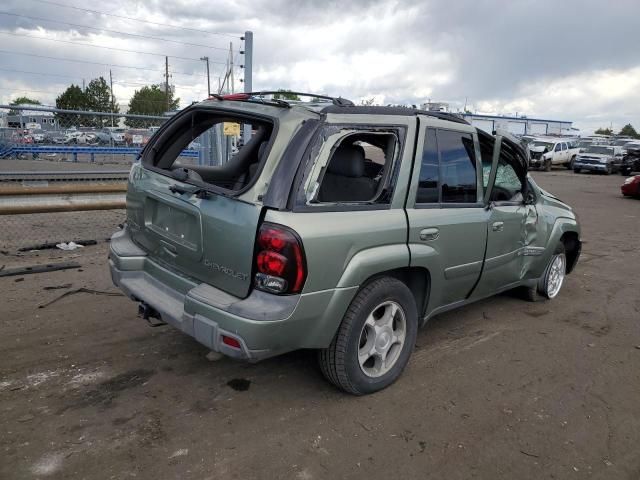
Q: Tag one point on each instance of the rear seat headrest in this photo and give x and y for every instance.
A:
(348, 161)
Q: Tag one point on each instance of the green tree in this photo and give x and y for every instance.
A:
(604, 131)
(150, 100)
(22, 101)
(98, 99)
(285, 95)
(629, 131)
(73, 98)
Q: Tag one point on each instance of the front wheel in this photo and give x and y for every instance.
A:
(547, 165)
(552, 279)
(570, 164)
(375, 339)
(608, 170)
(551, 282)
(576, 170)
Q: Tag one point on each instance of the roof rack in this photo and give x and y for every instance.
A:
(259, 97)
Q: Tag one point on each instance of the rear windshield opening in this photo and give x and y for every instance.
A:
(210, 148)
(359, 169)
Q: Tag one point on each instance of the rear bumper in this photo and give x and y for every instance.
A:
(263, 324)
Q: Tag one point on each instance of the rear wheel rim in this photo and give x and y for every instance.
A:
(557, 271)
(382, 339)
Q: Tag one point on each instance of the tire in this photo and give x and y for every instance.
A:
(547, 166)
(570, 164)
(546, 288)
(576, 170)
(341, 363)
(625, 172)
(608, 170)
(543, 290)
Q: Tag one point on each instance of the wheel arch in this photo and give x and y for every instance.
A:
(572, 247)
(417, 280)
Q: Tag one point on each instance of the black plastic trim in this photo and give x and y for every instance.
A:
(284, 174)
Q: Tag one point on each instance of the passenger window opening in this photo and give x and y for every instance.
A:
(208, 148)
(359, 169)
(508, 185)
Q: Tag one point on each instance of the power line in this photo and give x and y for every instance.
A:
(105, 47)
(137, 19)
(110, 31)
(95, 63)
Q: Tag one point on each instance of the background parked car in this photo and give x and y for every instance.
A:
(631, 187)
(599, 158)
(548, 152)
(630, 161)
(137, 137)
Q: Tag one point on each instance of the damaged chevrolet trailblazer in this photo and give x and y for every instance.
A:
(335, 227)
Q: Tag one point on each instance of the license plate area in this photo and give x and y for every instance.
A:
(176, 225)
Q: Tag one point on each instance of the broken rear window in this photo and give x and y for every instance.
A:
(217, 149)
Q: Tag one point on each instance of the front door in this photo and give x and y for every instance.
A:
(510, 220)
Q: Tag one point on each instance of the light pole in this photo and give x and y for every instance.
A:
(206, 59)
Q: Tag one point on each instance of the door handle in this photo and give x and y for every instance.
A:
(497, 226)
(428, 234)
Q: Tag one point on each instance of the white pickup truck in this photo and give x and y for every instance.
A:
(548, 152)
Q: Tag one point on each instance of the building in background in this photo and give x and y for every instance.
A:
(520, 125)
(32, 119)
(436, 106)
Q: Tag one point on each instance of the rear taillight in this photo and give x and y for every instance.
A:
(279, 260)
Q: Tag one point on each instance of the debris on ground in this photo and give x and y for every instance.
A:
(69, 246)
(81, 290)
(58, 287)
(49, 267)
(52, 245)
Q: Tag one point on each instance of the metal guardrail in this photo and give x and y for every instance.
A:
(63, 176)
(82, 150)
(61, 198)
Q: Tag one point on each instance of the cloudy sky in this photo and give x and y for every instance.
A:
(568, 60)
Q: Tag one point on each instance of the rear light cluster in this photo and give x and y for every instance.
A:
(279, 261)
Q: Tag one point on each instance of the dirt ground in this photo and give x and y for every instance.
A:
(499, 389)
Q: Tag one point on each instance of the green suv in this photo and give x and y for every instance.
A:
(333, 227)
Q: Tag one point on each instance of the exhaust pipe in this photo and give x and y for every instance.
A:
(149, 313)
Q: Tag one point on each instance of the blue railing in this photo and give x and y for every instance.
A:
(75, 150)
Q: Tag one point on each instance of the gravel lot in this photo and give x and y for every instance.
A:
(499, 389)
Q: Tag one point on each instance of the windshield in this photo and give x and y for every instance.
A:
(547, 145)
(619, 143)
(600, 150)
(584, 144)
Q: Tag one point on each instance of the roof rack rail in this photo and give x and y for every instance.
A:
(256, 96)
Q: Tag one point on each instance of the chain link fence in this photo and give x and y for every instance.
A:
(67, 157)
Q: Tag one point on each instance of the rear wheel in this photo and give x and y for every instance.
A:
(375, 339)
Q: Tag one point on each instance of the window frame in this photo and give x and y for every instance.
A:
(418, 165)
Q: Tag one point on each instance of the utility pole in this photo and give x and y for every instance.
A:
(248, 72)
(112, 99)
(231, 66)
(206, 59)
(166, 80)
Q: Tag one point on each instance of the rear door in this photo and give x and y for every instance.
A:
(210, 239)
(447, 221)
